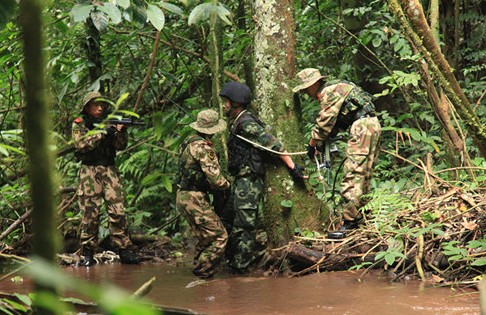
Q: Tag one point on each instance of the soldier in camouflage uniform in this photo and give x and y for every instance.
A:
(345, 105)
(99, 179)
(199, 172)
(246, 163)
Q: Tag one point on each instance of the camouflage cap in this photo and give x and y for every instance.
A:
(208, 122)
(307, 77)
(91, 96)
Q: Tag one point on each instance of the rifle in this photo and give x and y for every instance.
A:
(329, 147)
(124, 121)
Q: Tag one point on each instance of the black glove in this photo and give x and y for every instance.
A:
(110, 131)
(297, 172)
(311, 152)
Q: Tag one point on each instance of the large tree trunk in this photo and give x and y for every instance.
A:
(37, 135)
(275, 62)
(411, 16)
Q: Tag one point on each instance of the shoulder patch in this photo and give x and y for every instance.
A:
(78, 120)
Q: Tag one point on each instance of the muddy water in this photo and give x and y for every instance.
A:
(325, 293)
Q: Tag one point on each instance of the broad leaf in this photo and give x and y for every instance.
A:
(199, 13)
(166, 182)
(123, 3)
(156, 16)
(479, 262)
(100, 20)
(111, 11)
(172, 8)
(80, 12)
(224, 14)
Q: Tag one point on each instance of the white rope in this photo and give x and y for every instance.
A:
(270, 150)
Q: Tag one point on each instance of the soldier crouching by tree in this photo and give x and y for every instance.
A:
(345, 106)
(99, 179)
(199, 173)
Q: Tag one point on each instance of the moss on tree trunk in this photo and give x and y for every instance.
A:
(275, 63)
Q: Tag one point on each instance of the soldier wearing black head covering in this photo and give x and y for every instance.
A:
(246, 162)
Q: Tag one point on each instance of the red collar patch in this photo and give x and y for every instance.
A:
(78, 120)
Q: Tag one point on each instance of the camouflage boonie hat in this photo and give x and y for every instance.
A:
(91, 96)
(208, 122)
(307, 77)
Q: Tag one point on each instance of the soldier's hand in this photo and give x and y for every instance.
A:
(110, 130)
(311, 152)
(297, 172)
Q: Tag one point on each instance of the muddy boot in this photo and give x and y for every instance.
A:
(88, 258)
(128, 257)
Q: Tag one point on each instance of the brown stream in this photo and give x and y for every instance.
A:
(325, 293)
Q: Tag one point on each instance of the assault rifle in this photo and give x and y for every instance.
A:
(124, 121)
(325, 150)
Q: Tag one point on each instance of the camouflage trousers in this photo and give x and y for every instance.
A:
(241, 218)
(207, 228)
(97, 183)
(361, 152)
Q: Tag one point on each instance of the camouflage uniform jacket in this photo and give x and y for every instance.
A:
(199, 168)
(341, 103)
(98, 148)
(243, 157)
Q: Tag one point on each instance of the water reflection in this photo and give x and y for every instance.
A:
(325, 293)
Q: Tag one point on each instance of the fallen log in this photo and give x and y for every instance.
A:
(304, 255)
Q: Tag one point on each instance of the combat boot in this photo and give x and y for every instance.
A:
(88, 258)
(128, 257)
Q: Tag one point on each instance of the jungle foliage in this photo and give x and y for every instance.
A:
(153, 57)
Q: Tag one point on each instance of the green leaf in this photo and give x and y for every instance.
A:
(287, 203)
(123, 3)
(166, 183)
(390, 258)
(479, 262)
(80, 12)
(6, 11)
(4, 148)
(24, 299)
(477, 244)
(172, 8)
(223, 14)
(376, 42)
(111, 11)
(100, 20)
(379, 255)
(156, 16)
(5, 311)
(199, 13)
(16, 305)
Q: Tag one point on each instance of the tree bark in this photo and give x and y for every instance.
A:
(275, 62)
(37, 124)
